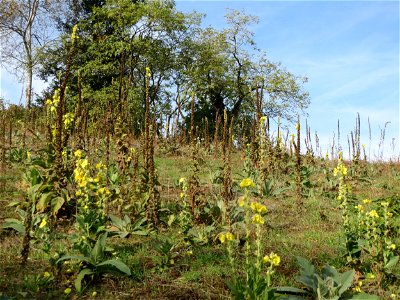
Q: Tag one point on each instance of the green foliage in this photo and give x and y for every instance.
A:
(94, 262)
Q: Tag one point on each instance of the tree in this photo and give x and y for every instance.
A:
(24, 28)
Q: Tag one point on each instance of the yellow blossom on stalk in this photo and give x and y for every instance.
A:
(247, 182)
(367, 201)
(258, 219)
(43, 223)
(182, 195)
(359, 207)
(392, 247)
(241, 201)
(28, 155)
(100, 166)
(363, 146)
(84, 163)
(229, 236)
(276, 260)
(53, 109)
(78, 193)
(182, 180)
(257, 207)
(385, 204)
(78, 153)
(148, 72)
(389, 214)
(222, 238)
(297, 126)
(49, 102)
(74, 35)
(263, 119)
(266, 259)
(67, 291)
(46, 275)
(373, 214)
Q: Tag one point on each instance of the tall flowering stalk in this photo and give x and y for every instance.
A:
(351, 240)
(259, 267)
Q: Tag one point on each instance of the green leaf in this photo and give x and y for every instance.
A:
(98, 249)
(56, 204)
(13, 203)
(119, 265)
(79, 278)
(346, 280)
(77, 257)
(15, 224)
(392, 262)
(43, 202)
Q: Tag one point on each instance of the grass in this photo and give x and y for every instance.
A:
(313, 232)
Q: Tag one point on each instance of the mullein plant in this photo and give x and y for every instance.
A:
(92, 197)
(351, 234)
(259, 268)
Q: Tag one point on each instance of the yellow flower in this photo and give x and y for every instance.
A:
(28, 155)
(148, 72)
(258, 219)
(52, 108)
(392, 247)
(385, 204)
(266, 259)
(84, 163)
(367, 201)
(276, 260)
(78, 193)
(389, 214)
(257, 207)
(67, 291)
(359, 207)
(263, 119)
(247, 182)
(49, 102)
(221, 238)
(46, 275)
(182, 195)
(373, 214)
(297, 126)
(94, 294)
(182, 180)
(241, 202)
(78, 153)
(229, 236)
(43, 223)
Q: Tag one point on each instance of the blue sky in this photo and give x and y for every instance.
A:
(349, 50)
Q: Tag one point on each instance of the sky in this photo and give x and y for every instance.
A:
(349, 50)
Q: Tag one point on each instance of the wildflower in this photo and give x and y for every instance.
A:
(182, 195)
(67, 291)
(94, 294)
(53, 109)
(370, 276)
(182, 180)
(385, 204)
(359, 207)
(389, 214)
(189, 252)
(373, 214)
(241, 202)
(266, 259)
(78, 153)
(276, 260)
(229, 236)
(247, 182)
(28, 155)
(43, 223)
(392, 247)
(49, 102)
(221, 238)
(258, 219)
(148, 72)
(263, 119)
(367, 201)
(78, 193)
(46, 275)
(74, 35)
(257, 207)
(297, 126)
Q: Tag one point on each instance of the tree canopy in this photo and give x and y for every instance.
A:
(119, 39)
